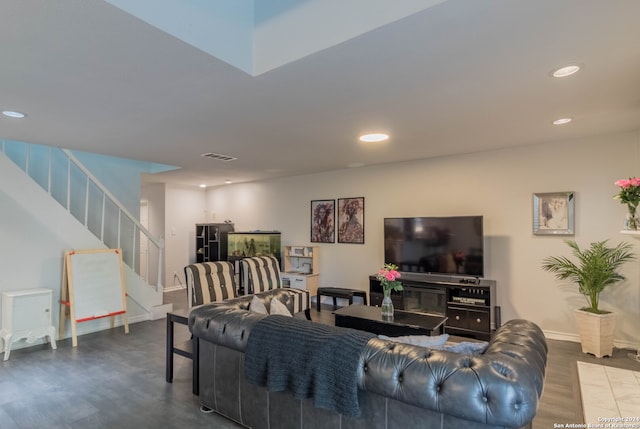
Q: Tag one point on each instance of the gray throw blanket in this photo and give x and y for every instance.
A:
(308, 359)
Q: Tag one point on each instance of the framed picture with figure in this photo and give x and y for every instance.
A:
(554, 213)
(351, 220)
(323, 221)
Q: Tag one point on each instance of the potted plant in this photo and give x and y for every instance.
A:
(595, 270)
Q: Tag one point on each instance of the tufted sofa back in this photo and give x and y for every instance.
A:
(499, 388)
(229, 323)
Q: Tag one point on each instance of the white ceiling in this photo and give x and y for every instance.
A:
(460, 76)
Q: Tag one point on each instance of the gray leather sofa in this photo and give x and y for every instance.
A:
(399, 385)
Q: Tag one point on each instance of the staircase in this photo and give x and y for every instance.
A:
(87, 202)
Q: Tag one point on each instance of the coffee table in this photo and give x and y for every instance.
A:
(367, 318)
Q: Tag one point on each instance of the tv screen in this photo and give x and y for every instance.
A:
(435, 245)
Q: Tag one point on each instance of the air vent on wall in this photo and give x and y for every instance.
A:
(218, 156)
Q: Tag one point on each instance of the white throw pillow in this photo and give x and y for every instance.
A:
(257, 306)
(279, 308)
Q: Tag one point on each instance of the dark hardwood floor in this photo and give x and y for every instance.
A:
(113, 380)
(110, 380)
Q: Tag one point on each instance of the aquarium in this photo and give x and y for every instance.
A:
(254, 243)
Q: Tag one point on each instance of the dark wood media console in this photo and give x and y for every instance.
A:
(468, 303)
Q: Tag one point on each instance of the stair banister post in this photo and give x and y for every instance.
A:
(159, 286)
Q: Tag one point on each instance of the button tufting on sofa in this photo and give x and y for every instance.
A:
(443, 388)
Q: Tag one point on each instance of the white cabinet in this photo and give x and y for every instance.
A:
(26, 314)
(309, 282)
(296, 281)
(302, 268)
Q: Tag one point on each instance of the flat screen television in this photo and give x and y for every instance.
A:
(435, 245)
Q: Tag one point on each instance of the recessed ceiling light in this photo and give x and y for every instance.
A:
(227, 181)
(374, 137)
(202, 185)
(13, 114)
(565, 71)
(562, 121)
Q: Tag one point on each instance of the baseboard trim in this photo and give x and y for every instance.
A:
(562, 336)
(575, 338)
(99, 325)
(160, 311)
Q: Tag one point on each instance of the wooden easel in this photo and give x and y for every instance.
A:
(93, 287)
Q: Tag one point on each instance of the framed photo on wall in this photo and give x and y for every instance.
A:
(351, 220)
(323, 221)
(554, 213)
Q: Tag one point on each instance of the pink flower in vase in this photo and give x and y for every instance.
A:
(388, 276)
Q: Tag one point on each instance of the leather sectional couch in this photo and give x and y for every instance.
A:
(398, 385)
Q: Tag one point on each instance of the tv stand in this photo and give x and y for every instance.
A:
(469, 303)
(473, 281)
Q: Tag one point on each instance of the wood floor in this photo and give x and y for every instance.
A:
(113, 380)
(110, 380)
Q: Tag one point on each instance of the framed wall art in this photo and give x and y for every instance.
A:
(351, 220)
(323, 223)
(554, 213)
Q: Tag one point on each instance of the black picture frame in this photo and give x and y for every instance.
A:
(351, 220)
(323, 221)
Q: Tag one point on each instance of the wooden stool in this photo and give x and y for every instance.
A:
(338, 292)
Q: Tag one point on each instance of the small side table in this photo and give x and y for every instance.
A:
(189, 349)
(338, 292)
(26, 314)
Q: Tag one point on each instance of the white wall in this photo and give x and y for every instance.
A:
(154, 195)
(498, 185)
(184, 207)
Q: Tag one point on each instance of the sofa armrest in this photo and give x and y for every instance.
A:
(500, 387)
(524, 341)
(228, 323)
(223, 325)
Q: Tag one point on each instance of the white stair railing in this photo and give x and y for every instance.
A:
(69, 182)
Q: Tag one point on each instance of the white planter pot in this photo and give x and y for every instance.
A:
(596, 332)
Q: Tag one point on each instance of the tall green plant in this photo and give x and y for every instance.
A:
(596, 268)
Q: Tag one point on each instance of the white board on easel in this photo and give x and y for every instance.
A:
(93, 287)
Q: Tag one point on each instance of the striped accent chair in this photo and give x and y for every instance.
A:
(300, 300)
(210, 282)
(260, 274)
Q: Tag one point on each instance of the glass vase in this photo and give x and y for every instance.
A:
(631, 222)
(387, 306)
